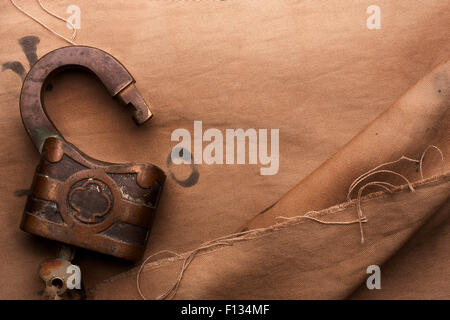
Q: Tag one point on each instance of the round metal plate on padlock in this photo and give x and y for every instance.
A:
(74, 198)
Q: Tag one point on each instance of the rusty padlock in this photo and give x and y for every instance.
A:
(74, 198)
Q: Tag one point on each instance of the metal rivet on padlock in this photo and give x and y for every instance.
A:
(74, 198)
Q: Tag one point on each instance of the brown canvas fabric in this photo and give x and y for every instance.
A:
(420, 118)
(419, 270)
(311, 69)
(304, 259)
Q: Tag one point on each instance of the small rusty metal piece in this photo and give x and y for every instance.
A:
(54, 273)
(74, 198)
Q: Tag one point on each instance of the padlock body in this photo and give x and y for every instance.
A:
(81, 201)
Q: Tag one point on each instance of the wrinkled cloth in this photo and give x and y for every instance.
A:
(304, 259)
(309, 68)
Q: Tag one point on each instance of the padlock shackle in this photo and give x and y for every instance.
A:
(116, 79)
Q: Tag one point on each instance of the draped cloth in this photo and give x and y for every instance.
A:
(311, 69)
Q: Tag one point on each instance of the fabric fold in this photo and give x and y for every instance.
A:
(419, 270)
(297, 259)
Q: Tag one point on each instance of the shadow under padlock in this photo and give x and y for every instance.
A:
(75, 199)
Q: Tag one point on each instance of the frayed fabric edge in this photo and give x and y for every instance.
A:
(258, 233)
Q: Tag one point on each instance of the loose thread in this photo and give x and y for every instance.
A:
(143, 265)
(173, 290)
(371, 173)
(363, 176)
(419, 161)
(385, 185)
(74, 34)
(423, 156)
(381, 184)
(71, 41)
(363, 219)
(222, 241)
(231, 238)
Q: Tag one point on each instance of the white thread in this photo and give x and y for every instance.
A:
(385, 185)
(374, 170)
(420, 162)
(142, 266)
(222, 241)
(229, 239)
(71, 41)
(423, 156)
(358, 202)
(363, 219)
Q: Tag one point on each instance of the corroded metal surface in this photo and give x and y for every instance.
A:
(74, 198)
(62, 279)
